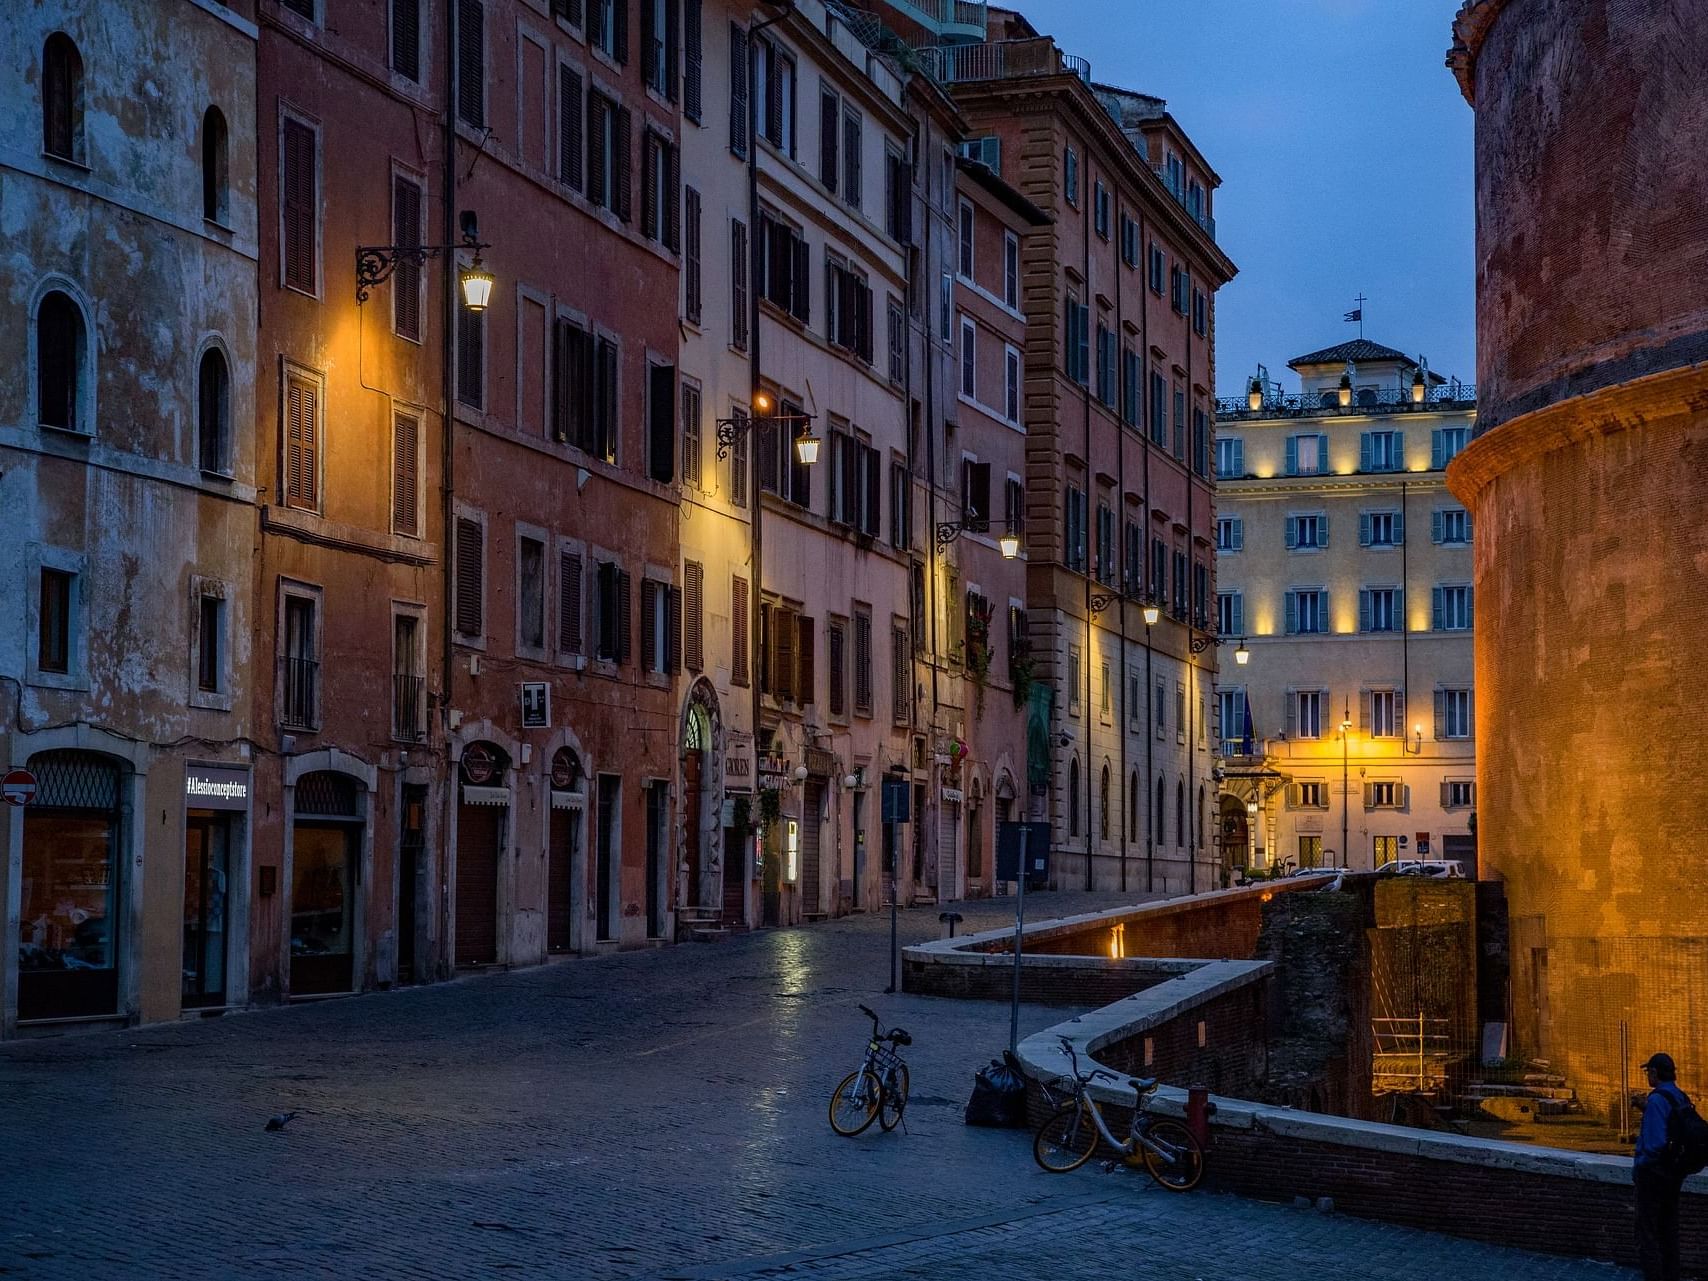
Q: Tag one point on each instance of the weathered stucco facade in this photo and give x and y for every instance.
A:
(1585, 480)
(127, 479)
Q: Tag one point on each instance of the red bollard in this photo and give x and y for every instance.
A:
(1198, 1113)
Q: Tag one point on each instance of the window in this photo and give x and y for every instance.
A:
(469, 588)
(740, 112)
(1445, 444)
(740, 465)
(945, 304)
(1013, 506)
(569, 131)
(691, 434)
(1011, 269)
(659, 42)
(660, 191)
(1159, 707)
(848, 308)
(969, 358)
(1309, 709)
(691, 287)
(661, 422)
(1129, 241)
(781, 471)
(739, 612)
(1158, 264)
(300, 675)
(896, 332)
(1100, 209)
(62, 98)
(986, 151)
(836, 645)
(407, 276)
(1381, 451)
(608, 28)
(774, 88)
(1385, 713)
(1070, 176)
(1381, 609)
(1384, 849)
(213, 413)
(1159, 570)
(1105, 544)
(1451, 527)
(862, 660)
(1011, 384)
(1177, 288)
(964, 240)
(611, 605)
(570, 636)
(1134, 561)
(302, 443)
(304, 7)
(1105, 364)
(299, 214)
(901, 507)
(1230, 533)
(216, 191)
(608, 179)
(1451, 611)
(693, 58)
(901, 678)
(1230, 613)
(1179, 422)
(1200, 441)
(1458, 794)
(1073, 797)
(406, 39)
(898, 196)
(1307, 533)
(406, 475)
(471, 357)
(1074, 551)
(1200, 313)
(739, 268)
(1384, 795)
(916, 606)
(1311, 795)
(783, 269)
(1380, 529)
(1077, 349)
(62, 364)
(407, 720)
(1159, 409)
(584, 390)
(471, 63)
(853, 145)
(1307, 455)
(1103, 804)
(1073, 680)
(661, 623)
(210, 643)
(1230, 457)
(1230, 709)
(693, 622)
(54, 621)
(530, 594)
(1307, 611)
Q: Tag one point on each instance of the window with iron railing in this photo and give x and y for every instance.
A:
(299, 666)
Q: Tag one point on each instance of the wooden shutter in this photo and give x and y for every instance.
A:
(873, 473)
(863, 664)
(620, 31)
(597, 109)
(624, 166)
(780, 641)
(901, 681)
(624, 611)
(694, 611)
(406, 279)
(569, 636)
(740, 116)
(806, 681)
(649, 626)
(471, 358)
(649, 39)
(829, 118)
(773, 92)
(692, 55)
(604, 431)
(800, 272)
(672, 197)
(471, 62)
(661, 415)
(302, 429)
(673, 632)
(301, 211)
(838, 670)
(738, 618)
(406, 42)
(852, 179)
(471, 567)
(740, 269)
(405, 465)
(569, 109)
(651, 224)
(691, 295)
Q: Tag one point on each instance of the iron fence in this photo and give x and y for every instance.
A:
(1454, 395)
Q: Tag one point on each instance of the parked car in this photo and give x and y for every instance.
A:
(1318, 871)
(1438, 868)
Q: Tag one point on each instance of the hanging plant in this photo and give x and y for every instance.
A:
(1022, 671)
(741, 819)
(770, 807)
(979, 614)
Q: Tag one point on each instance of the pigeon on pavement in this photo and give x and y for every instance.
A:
(279, 1121)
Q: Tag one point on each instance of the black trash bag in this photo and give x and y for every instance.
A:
(999, 1095)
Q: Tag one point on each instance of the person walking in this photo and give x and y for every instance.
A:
(1653, 1171)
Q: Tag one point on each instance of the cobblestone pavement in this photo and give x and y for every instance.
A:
(651, 1114)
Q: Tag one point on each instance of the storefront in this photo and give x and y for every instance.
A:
(326, 860)
(738, 818)
(565, 853)
(70, 887)
(216, 800)
(482, 829)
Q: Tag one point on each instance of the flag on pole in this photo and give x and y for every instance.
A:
(1356, 314)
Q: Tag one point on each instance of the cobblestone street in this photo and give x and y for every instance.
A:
(651, 1114)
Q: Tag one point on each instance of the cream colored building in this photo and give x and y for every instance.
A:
(1347, 736)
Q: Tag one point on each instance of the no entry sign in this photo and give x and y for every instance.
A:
(18, 787)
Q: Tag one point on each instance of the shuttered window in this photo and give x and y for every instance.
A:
(780, 638)
(471, 63)
(738, 296)
(901, 681)
(568, 10)
(691, 255)
(569, 634)
(692, 55)
(301, 212)
(863, 662)
(661, 426)
(302, 444)
(406, 278)
(569, 108)
(405, 474)
(470, 596)
(837, 644)
(691, 435)
(740, 114)
(738, 619)
(851, 149)
(694, 616)
(406, 42)
(471, 358)
(806, 678)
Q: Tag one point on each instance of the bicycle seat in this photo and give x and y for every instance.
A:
(900, 1037)
(1143, 1084)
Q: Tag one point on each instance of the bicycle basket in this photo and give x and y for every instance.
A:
(884, 1058)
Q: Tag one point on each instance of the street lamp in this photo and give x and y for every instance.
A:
(1242, 655)
(1008, 542)
(730, 430)
(1418, 389)
(1254, 396)
(376, 263)
(1152, 613)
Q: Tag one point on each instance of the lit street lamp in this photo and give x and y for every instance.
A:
(376, 263)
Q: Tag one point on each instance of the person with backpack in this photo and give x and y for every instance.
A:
(1671, 1144)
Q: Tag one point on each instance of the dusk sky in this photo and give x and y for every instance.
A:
(1344, 150)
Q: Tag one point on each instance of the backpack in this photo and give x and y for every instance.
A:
(1686, 1139)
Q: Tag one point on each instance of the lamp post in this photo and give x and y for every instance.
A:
(1008, 542)
(376, 263)
(1345, 790)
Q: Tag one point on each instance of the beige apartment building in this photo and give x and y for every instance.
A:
(1346, 732)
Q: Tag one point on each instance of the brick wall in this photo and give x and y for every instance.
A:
(1094, 981)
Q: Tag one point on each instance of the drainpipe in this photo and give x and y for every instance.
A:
(447, 459)
(1126, 569)
(1144, 551)
(932, 421)
(1191, 667)
(1090, 574)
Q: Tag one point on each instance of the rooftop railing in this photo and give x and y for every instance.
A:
(964, 18)
(1001, 60)
(1366, 400)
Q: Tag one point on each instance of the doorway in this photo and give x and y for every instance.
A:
(693, 823)
(326, 854)
(657, 811)
(411, 851)
(480, 837)
(564, 850)
(607, 837)
(207, 867)
(812, 876)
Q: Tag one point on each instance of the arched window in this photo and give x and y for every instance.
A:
(1103, 804)
(216, 193)
(62, 98)
(213, 413)
(1180, 813)
(61, 352)
(1073, 797)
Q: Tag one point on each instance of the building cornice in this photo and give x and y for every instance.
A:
(1470, 28)
(1337, 486)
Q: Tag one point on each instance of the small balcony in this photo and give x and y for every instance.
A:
(1001, 60)
(408, 719)
(1448, 396)
(299, 689)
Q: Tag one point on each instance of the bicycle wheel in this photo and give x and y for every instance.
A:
(894, 1102)
(854, 1105)
(1066, 1140)
(1181, 1163)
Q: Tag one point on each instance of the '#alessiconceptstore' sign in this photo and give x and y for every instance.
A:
(210, 787)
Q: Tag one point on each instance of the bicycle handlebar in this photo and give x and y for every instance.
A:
(869, 1012)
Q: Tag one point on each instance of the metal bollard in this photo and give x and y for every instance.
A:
(951, 919)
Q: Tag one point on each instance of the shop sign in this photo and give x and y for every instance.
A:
(211, 787)
(479, 764)
(822, 763)
(952, 795)
(738, 762)
(536, 705)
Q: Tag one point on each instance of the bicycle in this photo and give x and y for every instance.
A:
(1069, 1137)
(877, 1089)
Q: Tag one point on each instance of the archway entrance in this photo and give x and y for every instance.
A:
(325, 852)
(1235, 829)
(697, 795)
(569, 810)
(484, 807)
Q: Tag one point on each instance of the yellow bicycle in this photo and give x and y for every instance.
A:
(1069, 1136)
(877, 1089)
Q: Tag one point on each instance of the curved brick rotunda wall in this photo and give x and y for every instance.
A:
(1588, 482)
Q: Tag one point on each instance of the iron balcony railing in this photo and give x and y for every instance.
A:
(407, 721)
(1454, 395)
(1001, 60)
(947, 17)
(1193, 202)
(300, 689)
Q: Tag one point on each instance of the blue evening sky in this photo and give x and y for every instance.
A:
(1344, 150)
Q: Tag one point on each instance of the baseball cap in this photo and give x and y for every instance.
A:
(1663, 1066)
